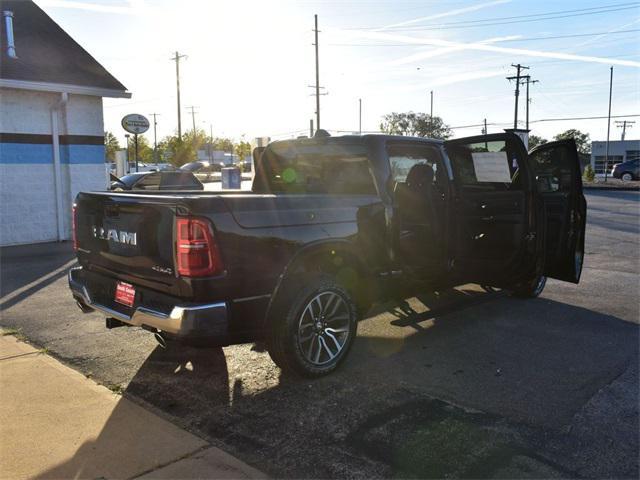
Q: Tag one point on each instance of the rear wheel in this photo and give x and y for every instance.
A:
(530, 289)
(312, 325)
(626, 177)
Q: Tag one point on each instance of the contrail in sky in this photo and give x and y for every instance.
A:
(450, 13)
(129, 7)
(445, 50)
(479, 46)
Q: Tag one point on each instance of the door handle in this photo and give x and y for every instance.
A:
(488, 219)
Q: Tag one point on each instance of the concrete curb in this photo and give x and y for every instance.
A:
(56, 423)
(612, 189)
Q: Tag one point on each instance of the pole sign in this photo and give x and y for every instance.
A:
(135, 123)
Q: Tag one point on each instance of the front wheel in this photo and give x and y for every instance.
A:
(312, 325)
(626, 177)
(530, 289)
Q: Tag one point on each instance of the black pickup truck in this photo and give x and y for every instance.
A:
(331, 225)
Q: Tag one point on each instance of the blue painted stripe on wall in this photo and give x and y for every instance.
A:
(25, 153)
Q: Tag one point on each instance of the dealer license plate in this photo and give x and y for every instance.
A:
(125, 294)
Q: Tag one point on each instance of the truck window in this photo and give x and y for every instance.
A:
(299, 168)
(402, 158)
(485, 166)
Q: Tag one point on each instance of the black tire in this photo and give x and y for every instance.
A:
(626, 177)
(293, 318)
(530, 289)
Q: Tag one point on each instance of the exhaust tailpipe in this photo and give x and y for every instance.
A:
(160, 339)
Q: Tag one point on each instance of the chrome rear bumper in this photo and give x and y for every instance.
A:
(205, 320)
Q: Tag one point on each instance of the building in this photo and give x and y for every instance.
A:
(51, 124)
(619, 151)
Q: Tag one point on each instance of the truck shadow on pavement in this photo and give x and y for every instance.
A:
(462, 384)
(525, 366)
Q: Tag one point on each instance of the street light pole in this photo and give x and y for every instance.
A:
(360, 115)
(606, 155)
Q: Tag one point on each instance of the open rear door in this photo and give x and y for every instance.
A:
(556, 167)
(493, 223)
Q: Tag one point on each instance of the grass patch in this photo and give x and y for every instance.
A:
(16, 332)
(117, 389)
(44, 351)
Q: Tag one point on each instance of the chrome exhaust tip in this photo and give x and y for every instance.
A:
(160, 339)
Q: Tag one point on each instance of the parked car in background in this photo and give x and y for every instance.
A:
(627, 171)
(164, 180)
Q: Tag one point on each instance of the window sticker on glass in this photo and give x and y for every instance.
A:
(491, 166)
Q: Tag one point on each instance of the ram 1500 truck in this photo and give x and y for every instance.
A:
(331, 224)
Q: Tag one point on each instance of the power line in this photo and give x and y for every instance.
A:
(524, 39)
(515, 19)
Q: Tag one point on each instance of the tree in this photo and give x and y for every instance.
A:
(224, 144)
(242, 150)
(145, 151)
(415, 124)
(535, 141)
(583, 142)
(111, 146)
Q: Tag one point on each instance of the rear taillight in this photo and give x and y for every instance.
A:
(74, 227)
(197, 254)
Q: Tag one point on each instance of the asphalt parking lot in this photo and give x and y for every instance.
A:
(461, 383)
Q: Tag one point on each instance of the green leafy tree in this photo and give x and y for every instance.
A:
(111, 146)
(242, 149)
(415, 124)
(224, 144)
(583, 142)
(145, 151)
(535, 141)
(589, 174)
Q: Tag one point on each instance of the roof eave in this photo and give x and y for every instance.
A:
(64, 88)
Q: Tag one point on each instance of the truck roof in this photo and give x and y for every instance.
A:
(358, 139)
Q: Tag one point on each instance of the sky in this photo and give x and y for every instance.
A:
(250, 64)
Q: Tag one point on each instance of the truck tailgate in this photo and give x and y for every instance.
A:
(132, 235)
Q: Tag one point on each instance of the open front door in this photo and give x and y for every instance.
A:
(556, 167)
(493, 234)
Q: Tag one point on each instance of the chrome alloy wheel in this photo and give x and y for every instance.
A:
(323, 328)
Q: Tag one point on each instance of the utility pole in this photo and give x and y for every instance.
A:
(155, 137)
(311, 128)
(176, 59)
(431, 114)
(317, 74)
(484, 130)
(211, 142)
(527, 82)
(606, 155)
(126, 136)
(360, 116)
(624, 124)
(193, 118)
(517, 78)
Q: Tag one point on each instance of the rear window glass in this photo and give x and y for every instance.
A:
(553, 168)
(299, 168)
